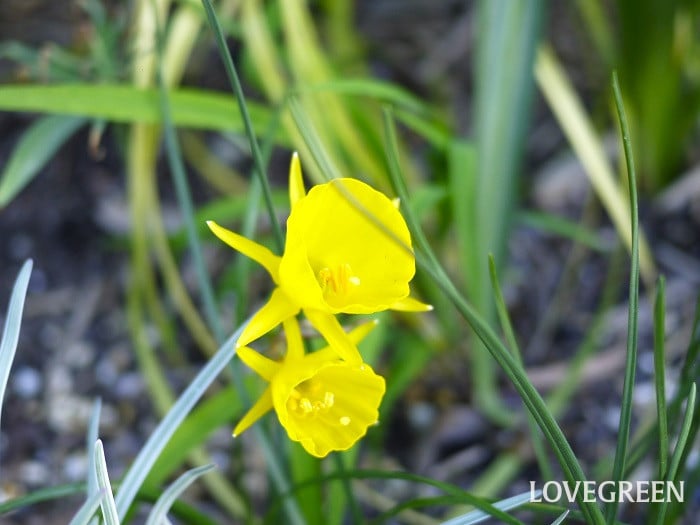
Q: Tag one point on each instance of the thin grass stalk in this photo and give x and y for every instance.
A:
(679, 451)
(631, 359)
(507, 327)
(533, 401)
(250, 132)
(184, 198)
(357, 517)
(660, 374)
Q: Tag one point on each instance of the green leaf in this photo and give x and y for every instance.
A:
(478, 516)
(211, 415)
(87, 510)
(13, 321)
(160, 509)
(38, 144)
(109, 509)
(194, 108)
(132, 481)
(621, 451)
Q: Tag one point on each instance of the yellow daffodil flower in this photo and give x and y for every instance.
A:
(347, 250)
(324, 403)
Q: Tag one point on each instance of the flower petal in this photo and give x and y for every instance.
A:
(348, 250)
(295, 344)
(296, 181)
(255, 251)
(278, 308)
(409, 304)
(330, 329)
(263, 366)
(328, 407)
(259, 409)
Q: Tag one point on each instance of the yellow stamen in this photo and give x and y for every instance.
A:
(308, 399)
(338, 280)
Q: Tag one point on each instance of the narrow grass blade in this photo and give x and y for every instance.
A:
(211, 414)
(87, 511)
(13, 322)
(308, 132)
(38, 144)
(507, 327)
(193, 108)
(109, 509)
(41, 495)
(162, 506)
(564, 228)
(178, 412)
(577, 127)
(561, 518)
(680, 450)
(631, 359)
(184, 198)
(92, 437)
(477, 516)
(659, 374)
(371, 88)
(247, 121)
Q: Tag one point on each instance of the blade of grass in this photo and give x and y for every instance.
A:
(162, 506)
(210, 415)
(507, 327)
(166, 428)
(308, 132)
(477, 516)
(564, 228)
(37, 145)
(247, 121)
(561, 518)
(184, 198)
(192, 108)
(427, 260)
(41, 495)
(13, 322)
(631, 356)
(660, 374)
(87, 510)
(109, 509)
(679, 451)
(92, 437)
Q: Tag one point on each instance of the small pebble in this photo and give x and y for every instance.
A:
(129, 386)
(78, 354)
(75, 467)
(421, 415)
(27, 382)
(34, 473)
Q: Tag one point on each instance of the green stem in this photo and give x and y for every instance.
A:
(631, 360)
